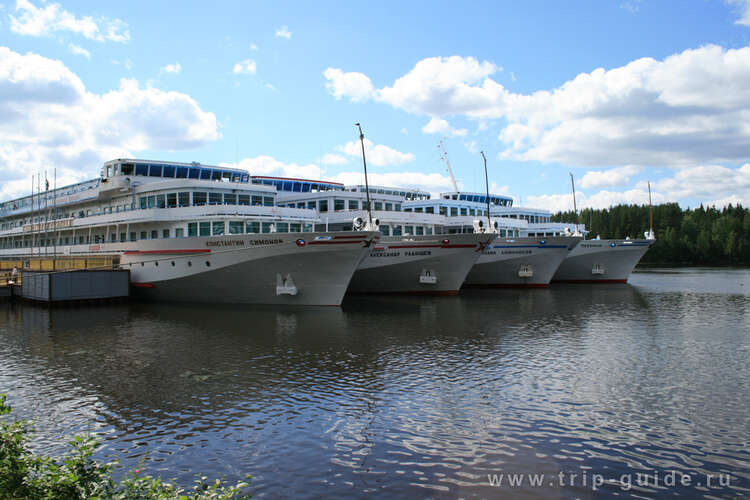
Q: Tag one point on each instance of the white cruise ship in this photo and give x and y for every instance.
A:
(188, 232)
(415, 255)
(527, 249)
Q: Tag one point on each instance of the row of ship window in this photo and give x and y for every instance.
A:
(340, 205)
(443, 210)
(200, 198)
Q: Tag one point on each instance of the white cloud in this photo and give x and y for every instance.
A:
(174, 69)
(283, 32)
(687, 109)
(708, 182)
(404, 131)
(378, 155)
(253, 46)
(333, 159)
(440, 126)
(48, 119)
(267, 165)
(410, 180)
(609, 178)
(356, 86)
(246, 67)
(79, 51)
(744, 7)
(602, 199)
(43, 21)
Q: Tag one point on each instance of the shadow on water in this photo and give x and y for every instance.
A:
(398, 396)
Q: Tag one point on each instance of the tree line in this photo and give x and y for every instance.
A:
(699, 236)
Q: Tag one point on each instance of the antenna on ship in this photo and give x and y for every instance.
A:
(364, 163)
(444, 156)
(650, 234)
(575, 207)
(487, 188)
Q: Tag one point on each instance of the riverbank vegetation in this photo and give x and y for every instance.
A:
(700, 236)
(26, 475)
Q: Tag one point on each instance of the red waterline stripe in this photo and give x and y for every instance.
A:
(590, 281)
(162, 252)
(143, 285)
(506, 285)
(409, 292)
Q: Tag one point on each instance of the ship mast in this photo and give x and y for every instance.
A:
(487, 188)
(575, 207)
(650, 235)
(364, 163)
(444, 156)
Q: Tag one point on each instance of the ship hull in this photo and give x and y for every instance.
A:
(602, 261)
(519, 262)
(423, 265)
(250, 269)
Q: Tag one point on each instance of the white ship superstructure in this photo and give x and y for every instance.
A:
(415, 254)
(188, 232)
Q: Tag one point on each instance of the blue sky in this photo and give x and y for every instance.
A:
(616, 92)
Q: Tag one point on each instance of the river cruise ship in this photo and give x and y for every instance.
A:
(527, 249)
(189, 232)
(415, 255)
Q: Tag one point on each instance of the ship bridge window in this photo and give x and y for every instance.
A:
(454, 211)
(268, 201)
(378, 205)
(182, 172)
(464, 211)
(195, 173)
(154, 171)
(199, 198)
(218, 228)
(397, 231)
(160, 203)
(311, 205)
(244, 199)
(385, 229)
(257, 200)
(389, 207)
(236, 227)
(205, 174)
(323, 205)
(230, 199)
(183, 199)
(127, 169)
(204, 228)
(169, 171)
(171, 200)
(141, 169)
(338, 205)
(214, 198)
(418, 209)
(252, 227)
(429, 210)
(306, 187)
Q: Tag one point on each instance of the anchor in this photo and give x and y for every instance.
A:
(285, 286)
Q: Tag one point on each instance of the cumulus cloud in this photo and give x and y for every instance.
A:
(174, 69)
(744, 9)
(356, 86)
(79, 51)
(333, 159)
(408, 180)
(648, 112)
(246, 67)
(440, 126)
(49, 119)
(283, 32)
(269, 166)
(44, 21)
(378, 155)
(609, 178)
(601, 199)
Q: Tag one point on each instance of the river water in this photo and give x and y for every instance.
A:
(595, 387)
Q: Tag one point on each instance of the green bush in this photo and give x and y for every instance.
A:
(77, 475)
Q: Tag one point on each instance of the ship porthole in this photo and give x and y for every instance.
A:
(172, 263)
(156, 264)
(208, 264)
(190, 264)
(142, 264)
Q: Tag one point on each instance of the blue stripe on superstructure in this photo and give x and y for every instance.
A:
(530, 246)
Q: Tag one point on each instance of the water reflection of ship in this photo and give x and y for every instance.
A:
(165, 360)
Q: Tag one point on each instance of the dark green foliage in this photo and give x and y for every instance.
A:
(700, 236)
(78, 476)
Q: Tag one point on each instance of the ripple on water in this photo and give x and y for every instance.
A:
(404, 397)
